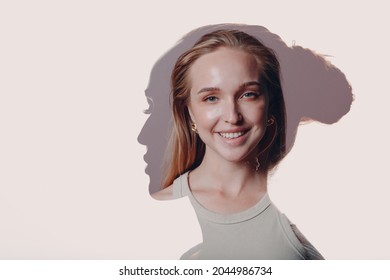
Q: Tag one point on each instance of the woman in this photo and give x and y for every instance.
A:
(229, 132)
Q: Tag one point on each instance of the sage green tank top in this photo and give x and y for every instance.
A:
(260, 232)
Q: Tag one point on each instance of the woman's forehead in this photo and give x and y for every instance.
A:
(223, 67)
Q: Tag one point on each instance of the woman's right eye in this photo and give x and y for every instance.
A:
(210, 99)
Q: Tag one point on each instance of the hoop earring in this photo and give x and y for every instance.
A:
(271, 121)
(194, 128)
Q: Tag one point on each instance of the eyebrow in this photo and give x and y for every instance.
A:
(206, 89)
(244, 85)
(251, 83)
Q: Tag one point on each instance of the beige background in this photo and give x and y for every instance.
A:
(72, 80)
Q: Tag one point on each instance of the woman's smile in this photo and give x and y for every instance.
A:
(233, 138)
(231, 135)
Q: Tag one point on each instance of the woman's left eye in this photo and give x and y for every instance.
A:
(250, 94)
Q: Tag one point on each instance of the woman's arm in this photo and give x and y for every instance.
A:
(311, 252)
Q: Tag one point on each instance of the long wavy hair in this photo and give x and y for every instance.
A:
(186, 150)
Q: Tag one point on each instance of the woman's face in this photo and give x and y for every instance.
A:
(227, 103)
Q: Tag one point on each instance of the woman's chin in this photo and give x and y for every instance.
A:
(238, 159)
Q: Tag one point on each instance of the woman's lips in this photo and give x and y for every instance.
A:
(231, 135)
(233, 138)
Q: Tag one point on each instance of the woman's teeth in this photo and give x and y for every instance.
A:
(231, 135)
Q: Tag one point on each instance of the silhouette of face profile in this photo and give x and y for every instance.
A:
(155, 133)
(313, 89)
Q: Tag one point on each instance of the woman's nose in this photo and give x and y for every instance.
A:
(232, 113)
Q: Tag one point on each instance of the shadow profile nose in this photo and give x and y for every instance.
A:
(142, 136)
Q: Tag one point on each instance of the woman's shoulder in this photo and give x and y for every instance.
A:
(173, 191)
(164, 194)
(311, 253)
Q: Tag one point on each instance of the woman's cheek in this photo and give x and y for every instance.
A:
(256, 111)
(213, 113)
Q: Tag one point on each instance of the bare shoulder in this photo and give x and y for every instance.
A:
(164, 194)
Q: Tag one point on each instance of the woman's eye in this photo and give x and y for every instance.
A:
(250, 94)
(210, 99)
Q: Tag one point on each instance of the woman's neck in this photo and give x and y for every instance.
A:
(229, 178)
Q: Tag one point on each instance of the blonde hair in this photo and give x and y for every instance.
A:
(186, 148)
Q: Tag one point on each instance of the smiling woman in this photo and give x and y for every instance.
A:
(229, 132)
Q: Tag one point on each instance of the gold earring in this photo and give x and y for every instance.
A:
(271, 121)
(257, 164)
(194, 128)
